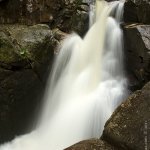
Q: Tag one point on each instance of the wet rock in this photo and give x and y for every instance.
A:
(130, 12)
(26, 54)
(93, 144)
(137, 54)
(67, 15)
(72, 17)
(9, 58)
(32, 44)
(129, 126)
(58, 34)
(137, 11)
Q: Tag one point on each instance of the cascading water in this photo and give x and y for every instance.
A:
(86, 85)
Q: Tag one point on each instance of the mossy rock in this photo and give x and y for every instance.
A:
(26, 55)
(8, 53)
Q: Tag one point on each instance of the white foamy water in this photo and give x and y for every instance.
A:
(86, 85)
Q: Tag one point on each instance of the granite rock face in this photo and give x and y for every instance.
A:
(137, 54)
(137, 42)
(67, 15)
(137, 11)
(129, 125)
(26, 55)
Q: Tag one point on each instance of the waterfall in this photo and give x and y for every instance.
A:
(87, 83)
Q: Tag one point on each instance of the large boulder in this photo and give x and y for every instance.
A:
(129, 126)
(33, 45)
(26, 54)
(137, 54)
(93, 144)
(137, 11)
(67, 15)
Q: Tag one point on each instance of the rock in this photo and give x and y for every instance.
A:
(67, 15)
(130, 12)
(137, 54)
(26, 54)
(32, 44)
(73, 16)
(137, 11)
(58, 34)
(9, 58)
(20, 93)
(93, 144)
(129, 126)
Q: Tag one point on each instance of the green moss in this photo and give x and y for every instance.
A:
(23, 52)
(7, 53)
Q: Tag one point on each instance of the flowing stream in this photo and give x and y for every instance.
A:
(87, 83)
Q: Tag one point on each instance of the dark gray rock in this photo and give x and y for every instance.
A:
(33, 45)
(137, 11)
(26, 55)
(129, 126)
(137, 54)
(20, 93)
(67, 15)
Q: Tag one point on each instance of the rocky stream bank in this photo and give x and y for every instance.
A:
(30, 31)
